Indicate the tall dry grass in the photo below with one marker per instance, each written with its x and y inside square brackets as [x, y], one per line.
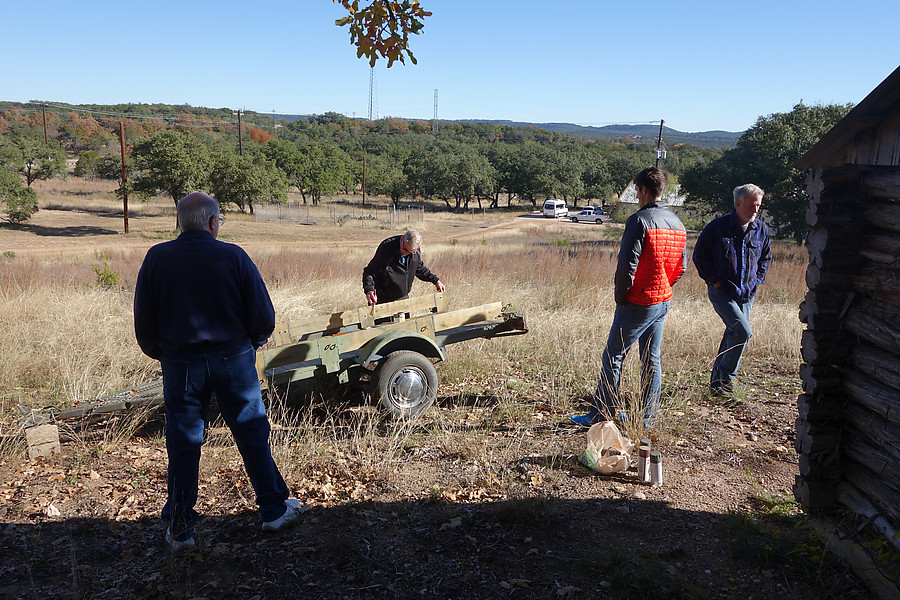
[65, 338]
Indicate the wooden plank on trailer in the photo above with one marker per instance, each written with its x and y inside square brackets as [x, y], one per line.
[466, 316]
[286, 333]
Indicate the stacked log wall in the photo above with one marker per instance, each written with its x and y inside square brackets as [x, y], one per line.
[848, 427]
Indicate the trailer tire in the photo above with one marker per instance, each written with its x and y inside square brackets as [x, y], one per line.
[406, 384]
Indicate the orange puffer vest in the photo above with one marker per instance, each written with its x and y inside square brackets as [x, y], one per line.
[652, 256]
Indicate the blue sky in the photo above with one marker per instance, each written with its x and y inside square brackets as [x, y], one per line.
[698, 65]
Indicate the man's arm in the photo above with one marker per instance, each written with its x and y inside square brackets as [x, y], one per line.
[378, 264]
[262, 313]
[424, 274]
[765, 258]
[629, 254]
[702, 256]
[146, 328]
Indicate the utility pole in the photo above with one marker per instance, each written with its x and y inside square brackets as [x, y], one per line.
[124, 174]
[659, 141]
[240, 139]
[44, 113]
[364, 179]
[434, 122]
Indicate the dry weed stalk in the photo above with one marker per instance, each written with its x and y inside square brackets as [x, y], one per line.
[63, 339]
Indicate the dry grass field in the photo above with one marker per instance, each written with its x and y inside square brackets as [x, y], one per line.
[481, 498]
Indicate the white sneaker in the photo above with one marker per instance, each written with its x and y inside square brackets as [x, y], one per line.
[293, 508]
[175, 544]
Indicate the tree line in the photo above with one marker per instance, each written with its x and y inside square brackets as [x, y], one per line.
[176, 150]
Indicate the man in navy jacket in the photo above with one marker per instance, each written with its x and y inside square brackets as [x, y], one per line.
[201, 308]
[732, 256]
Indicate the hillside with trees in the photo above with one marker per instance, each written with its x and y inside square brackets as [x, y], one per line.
[251, 158]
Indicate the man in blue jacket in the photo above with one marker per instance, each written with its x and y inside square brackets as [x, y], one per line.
[732, 256]
[201, 308]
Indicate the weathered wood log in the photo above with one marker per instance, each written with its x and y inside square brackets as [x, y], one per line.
[813, 438]
[883, 249]
[820, 379]
[881, 366]
[876, 323]
[823, 466]
[819, 407]
[882, 183]
[819, 215]
[832, 247]
[826, 278]
[883, 215]
[885, 498]
[815, 497]
[859, 504]
[822, 347]
[880, 399]
[821, 308]
[850, 552]
[881, 433]
[882, 458]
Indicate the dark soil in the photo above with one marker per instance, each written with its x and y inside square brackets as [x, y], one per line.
[448, 522]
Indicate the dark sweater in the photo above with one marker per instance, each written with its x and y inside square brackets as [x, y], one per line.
[391, 274]
[196, 294]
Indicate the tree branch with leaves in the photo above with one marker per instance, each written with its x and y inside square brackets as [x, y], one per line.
[382, 29]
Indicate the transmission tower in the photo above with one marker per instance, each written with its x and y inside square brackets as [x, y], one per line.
[434, 122]
[373, 101]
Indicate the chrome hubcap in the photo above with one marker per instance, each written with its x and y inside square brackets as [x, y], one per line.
[409, 387]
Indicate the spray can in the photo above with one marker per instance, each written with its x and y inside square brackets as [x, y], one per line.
[656, 476]
[643, 466]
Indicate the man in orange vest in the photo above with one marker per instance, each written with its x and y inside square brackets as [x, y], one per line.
[651, 259]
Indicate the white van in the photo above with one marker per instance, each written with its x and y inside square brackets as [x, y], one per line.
[555, 208]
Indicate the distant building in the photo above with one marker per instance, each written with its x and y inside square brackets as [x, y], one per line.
[671, 196]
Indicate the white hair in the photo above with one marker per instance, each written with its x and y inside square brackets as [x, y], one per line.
[748, 189]
[412, 236]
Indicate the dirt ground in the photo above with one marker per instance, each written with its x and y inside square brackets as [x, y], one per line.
[445, 523]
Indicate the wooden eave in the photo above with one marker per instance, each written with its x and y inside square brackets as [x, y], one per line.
[829, 151]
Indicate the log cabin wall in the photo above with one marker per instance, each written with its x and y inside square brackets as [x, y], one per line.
[848, 428]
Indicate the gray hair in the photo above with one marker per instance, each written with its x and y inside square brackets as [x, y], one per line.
[412, 236]
[748, 189]
[195, 210]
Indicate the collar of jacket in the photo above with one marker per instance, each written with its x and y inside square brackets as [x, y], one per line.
[733, 222]
[655, 204]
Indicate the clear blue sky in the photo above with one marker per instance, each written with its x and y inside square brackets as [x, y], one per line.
[698, 65]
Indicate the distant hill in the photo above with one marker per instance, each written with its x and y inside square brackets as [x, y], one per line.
[704, 139]
[646, 133]
[640, 133]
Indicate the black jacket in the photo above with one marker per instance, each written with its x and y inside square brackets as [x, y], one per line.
[391, 274]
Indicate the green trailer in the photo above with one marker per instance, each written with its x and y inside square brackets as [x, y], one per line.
[394, 346]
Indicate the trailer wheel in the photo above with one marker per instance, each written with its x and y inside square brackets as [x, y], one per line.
[406, 384]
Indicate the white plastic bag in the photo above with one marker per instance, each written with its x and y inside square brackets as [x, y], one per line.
[608, 451]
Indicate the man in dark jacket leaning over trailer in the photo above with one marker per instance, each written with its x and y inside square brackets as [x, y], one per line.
[389, 275]
[202, 309]
[732, 256]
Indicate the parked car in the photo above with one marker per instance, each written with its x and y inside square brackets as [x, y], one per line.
[591, 214]
[555, 208]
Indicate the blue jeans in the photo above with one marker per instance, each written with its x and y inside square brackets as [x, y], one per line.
[633, 323]
[736, 316]
[188, 382]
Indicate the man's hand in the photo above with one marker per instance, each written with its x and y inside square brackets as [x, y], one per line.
[372, 297]
[440, 286]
